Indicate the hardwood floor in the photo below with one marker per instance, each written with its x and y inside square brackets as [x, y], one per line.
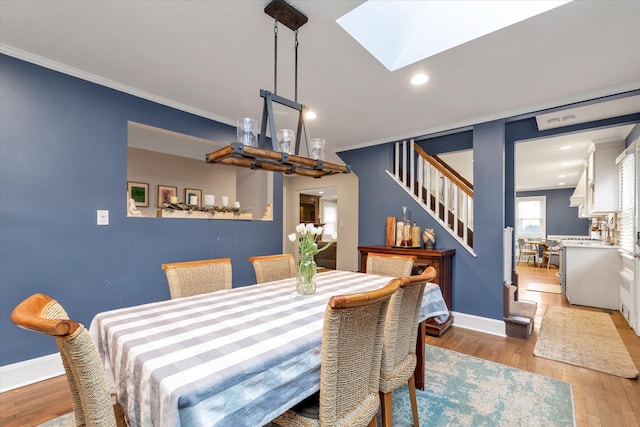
[600, 399]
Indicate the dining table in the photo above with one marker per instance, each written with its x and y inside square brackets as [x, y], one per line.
[235, 357]
[540, 246]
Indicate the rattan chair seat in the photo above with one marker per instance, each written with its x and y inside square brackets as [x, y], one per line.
[269, 268]
[350, 369]
[92, 403]
[198, 277]
[390, 264]
[400, 336]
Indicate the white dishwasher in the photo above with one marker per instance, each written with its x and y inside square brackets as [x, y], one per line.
[591, 274]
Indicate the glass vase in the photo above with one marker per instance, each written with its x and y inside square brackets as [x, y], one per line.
[306, 280]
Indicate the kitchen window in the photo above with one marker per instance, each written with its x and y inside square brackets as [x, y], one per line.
[531, 217]
[626, 168]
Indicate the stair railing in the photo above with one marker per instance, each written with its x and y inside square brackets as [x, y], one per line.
[439, 189]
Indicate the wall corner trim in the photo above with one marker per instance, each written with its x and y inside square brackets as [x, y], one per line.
[30, 371]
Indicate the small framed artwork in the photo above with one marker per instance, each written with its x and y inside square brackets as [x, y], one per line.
[139, 192]
[193, 197]
[166, 193]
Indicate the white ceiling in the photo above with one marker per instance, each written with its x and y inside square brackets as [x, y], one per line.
[212, 58]
[540, 163]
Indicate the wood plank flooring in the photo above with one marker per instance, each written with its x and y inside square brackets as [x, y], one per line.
[600, 399]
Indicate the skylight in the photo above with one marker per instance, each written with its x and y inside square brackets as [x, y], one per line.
[399, 33]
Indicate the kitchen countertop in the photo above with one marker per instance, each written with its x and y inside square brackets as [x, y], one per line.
[578, 244]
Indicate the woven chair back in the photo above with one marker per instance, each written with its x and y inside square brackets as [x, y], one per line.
[351, 355]
[198, 277]
[389, 264]
[400, 333]
[92, 404]
[273, 267]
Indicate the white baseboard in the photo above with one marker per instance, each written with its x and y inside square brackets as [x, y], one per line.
[30, 371]
[480, 324]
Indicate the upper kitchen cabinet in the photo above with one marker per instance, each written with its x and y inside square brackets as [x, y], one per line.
[578, 196]
[602, 177]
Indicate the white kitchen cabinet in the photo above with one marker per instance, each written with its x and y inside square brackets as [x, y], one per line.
[591, 274]
[578, 197]
[602, 177]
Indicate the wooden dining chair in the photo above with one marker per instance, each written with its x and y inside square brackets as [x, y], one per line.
[273, 267]
[350, 367]
[551, 248]
[524, 251]
[198, 277]
[390, 264]
[92, 403]
[399, 345]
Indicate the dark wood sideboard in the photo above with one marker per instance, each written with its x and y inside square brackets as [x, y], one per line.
[440, 259]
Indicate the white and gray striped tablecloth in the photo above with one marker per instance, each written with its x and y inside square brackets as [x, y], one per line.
[237, 357]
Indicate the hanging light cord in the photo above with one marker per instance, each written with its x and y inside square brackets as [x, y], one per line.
[275, 56]
[295, 45]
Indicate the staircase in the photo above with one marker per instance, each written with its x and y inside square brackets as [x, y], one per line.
[437, 188]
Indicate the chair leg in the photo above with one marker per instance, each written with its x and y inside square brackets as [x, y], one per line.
[374, 422]
[414, 401]
[386, 405]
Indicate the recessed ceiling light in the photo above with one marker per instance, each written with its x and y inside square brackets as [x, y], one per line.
[565, 164]
[565, 147]
[561, 183]
[321, 192]
[310, 115]
[419, 79]
[561, 176]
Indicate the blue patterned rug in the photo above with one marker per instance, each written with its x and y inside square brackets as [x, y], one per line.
[463, 391]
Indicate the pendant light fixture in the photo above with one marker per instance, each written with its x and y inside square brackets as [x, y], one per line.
[272, 157]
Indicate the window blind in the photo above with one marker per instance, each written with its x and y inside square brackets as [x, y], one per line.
[626, 171]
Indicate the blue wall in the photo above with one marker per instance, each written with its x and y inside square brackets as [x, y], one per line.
[477, 281]
[561, 218]
[474, 279]
[63, 155]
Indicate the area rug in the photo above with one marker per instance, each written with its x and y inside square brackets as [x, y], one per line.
[466, 391]
[544, 287]
[462, 390]
[67, 420]
[584, 338]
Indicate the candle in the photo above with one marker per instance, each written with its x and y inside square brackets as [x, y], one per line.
[225, 201]
[236, 205]
[173, 199]
[209, 199]
[193, 199]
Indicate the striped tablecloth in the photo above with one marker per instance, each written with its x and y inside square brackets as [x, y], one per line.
[236, 357]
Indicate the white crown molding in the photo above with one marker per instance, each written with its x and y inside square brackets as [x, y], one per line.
[30, 371]
[57, 66]
[466, 124]
[75, 72]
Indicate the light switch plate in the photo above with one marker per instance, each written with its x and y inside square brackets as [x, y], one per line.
[103, 217]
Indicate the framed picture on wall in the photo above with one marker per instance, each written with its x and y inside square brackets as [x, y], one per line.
[139, 192]
[193, 197]
[165, 193]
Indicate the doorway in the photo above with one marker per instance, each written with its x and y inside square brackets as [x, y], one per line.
[320, 207]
